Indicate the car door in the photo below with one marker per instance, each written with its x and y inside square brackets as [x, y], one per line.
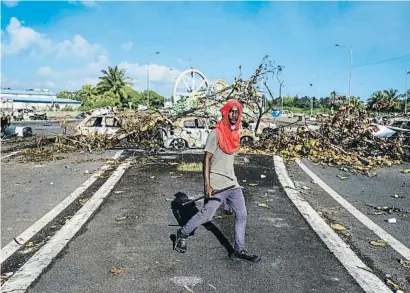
[191, 133]
[203, 127]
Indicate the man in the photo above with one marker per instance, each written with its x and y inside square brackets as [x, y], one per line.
[219, 174]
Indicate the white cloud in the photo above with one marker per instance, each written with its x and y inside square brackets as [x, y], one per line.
[162, 77]
[127, 46]
[78, 47]
[11, 3]
[21, 38]
[157, 73]
[45, 71]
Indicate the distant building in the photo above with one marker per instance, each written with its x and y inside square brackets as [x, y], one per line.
[34, 99]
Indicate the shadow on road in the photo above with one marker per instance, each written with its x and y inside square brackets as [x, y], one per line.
[184, 213]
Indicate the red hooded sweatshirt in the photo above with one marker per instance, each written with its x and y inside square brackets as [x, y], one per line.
[229, 138]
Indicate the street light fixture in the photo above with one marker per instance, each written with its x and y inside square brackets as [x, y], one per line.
[351, 64]
[156, 53]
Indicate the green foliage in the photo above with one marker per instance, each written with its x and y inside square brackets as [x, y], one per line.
[113, 90]
[68, 109]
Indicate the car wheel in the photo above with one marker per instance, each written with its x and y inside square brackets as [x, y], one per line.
[246, 140]
[178, 144]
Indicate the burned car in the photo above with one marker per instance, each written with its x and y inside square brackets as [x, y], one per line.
[192, 132]
[99, 124]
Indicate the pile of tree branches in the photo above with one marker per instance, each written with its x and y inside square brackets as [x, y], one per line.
[345, 139]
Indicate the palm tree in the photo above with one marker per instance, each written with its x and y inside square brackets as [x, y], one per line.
[356, 102]
[377, 101]
[332, 101]
[392, 98]
[114, 81]
[87, 93]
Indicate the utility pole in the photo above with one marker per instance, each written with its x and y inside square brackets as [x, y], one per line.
[156, 53]
[280, 86]
[406, 95]
[311, 101]
[350, 71]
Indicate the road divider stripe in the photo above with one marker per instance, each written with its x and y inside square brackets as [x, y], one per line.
[368, 281]
[393, 242]
[25, 236]
[34, 267]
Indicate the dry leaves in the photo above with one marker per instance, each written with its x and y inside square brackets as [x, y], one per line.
[117, 271]
[379, 243]
[338, 227]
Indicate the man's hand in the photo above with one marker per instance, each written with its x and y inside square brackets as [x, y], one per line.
[209, 191]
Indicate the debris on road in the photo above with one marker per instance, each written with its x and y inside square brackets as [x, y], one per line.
[379, 243]
[190, 167]
[392, 221]
[405, 171]
[404, 263]
[121, 218]
[117, 271]
[338, 227]
[262, 205]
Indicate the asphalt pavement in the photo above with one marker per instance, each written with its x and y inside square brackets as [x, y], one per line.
[30, 190]
[364, 193]
[45, 127]
[294, 259]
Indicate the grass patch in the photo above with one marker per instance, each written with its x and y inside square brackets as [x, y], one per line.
[190, 167]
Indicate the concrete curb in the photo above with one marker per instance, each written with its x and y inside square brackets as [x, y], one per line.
[369, 282]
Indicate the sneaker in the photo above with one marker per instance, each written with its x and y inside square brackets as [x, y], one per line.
[244, 255]
[181, 242]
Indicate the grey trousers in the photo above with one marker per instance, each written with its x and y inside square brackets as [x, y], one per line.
[234, 198]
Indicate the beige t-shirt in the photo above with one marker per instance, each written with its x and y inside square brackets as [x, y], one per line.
[222, 174]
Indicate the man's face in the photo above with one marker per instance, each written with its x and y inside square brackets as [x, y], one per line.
[233, 115]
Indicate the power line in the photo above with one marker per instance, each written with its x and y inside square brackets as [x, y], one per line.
[383, 61]
[370, 63]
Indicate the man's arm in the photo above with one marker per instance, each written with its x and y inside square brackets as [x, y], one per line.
[207, 167]
[210, 148]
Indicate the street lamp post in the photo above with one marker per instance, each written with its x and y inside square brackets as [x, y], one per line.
[156, 53]
[350, 71]
[311, 102]
[406, 94]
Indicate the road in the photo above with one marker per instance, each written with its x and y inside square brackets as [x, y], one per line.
[44, 127]
[134, 230]
[30, 190]
[364, 193]
[293, 257]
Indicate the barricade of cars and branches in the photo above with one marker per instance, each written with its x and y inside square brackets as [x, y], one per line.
[346, 138]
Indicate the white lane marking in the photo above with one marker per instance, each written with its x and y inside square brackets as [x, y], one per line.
[33, 268]
[11, 154]
[369, 282]
[393, 242]
[25, 236]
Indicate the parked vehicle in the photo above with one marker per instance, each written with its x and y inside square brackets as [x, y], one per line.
[192, 132]
[37, 116]
[99, 124]
[17, 131]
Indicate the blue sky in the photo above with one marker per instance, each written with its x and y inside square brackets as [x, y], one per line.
[62, 45]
